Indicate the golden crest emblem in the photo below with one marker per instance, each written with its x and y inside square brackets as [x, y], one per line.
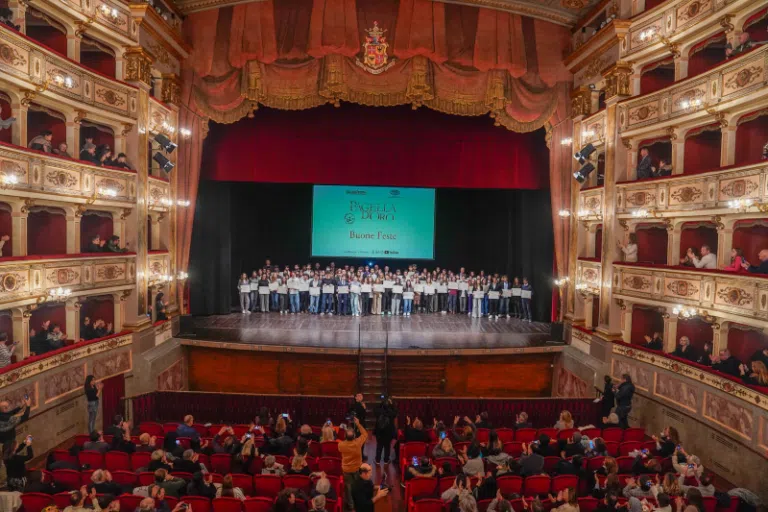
[375, 59]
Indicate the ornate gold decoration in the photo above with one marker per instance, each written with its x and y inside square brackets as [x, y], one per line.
[671, 132]
[110, 97]
[63, 276]
[639, 198]
[127, 127]
[82, 26]
[627, 143]
[744, 77]
[682, 288]
[81, 115]
[644, 112]
[171, 90]
[738, 188]
[60, 179]
[125, 213]
[719, 117]
[621, 304]
[593, 68]
[686, 194]
[11, 56]
[419, 88]
[28, 97]
[581, 101]
[124, 296]
[725, 22]
[28, 203]
[674, 48]
[251, 86]
[80, 210]
[573, 4]
[332, 85]
[110, 272]
[624, 224]
[160, 54]
[375, 59]
[138, 65]
[735, 296]
[637, 282]
[11, 282]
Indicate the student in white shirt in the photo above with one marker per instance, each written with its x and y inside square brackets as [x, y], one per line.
[244, 288]
[293, 291]
[354, 296]
[630, 249]
[707, 260]
[477, 300]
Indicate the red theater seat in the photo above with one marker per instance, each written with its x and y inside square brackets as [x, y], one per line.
[634, 434]
[612, 434]
[151, 428]
[117, 461]
[426, 505]
[563, 482]
[129, 502]
[566, 433]
[330, 449]
[330, 465]
[226, 505]
[592, 433]
[94, 459]
[506, 435]
[536, 485]
[525, 435]
[509, 485]
[588, 504]
[259, 505]
[61, 500]
[300, 482]
[198, 503]
[628, 447]
[551, 432]
[125, 478]
[266, 485]
[68, 479]
[140, 460]
[513, 449]
[244, 482]
[146, 478]
[482, 505]
[453, 461]
[221, 463]
[35, 501]
[420, 487]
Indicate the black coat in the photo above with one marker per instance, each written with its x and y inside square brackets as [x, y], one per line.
[644, 168]
[624, 394]
[609, 400]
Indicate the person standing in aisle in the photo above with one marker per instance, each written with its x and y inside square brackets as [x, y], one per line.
[92, 390]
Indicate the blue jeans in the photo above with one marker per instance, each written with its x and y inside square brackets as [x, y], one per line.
[274, 299]
[407, 306]
[314, 301]
[294, 302]
[504, 306]
[343, 297]
[527, 314]
[355, 299]
[254, 300]
[452, 303]
[93, 411]
[326, 304]
[469, 303]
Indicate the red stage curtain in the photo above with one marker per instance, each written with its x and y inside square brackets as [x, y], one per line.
[598, 242]
[703, 56]
[46, 233]
[656, 76]
[702, 151]
[369, 146]
[6, 228]
[92, 225]
[111, 395]
[6, 324]
[698, 331]
[743, 343]
[55, 313]
[645, 321]
[48, 36]
[696, 237]
[100, 307]
[5, 113]
[38, 121]
[751, 136]
[750, 239]
[652, 244]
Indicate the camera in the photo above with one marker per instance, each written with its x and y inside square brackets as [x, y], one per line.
[442, 435]
[284, 415]
[248, 436]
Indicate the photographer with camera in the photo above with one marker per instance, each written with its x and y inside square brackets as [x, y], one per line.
[352, 457]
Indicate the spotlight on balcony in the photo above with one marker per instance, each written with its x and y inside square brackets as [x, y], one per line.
[582, 174]
[582, 155]
[165, 143]
[164, 163]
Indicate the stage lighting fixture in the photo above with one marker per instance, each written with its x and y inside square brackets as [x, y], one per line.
[165, 164]
[582, 155]
[165, 143]
[582, 174]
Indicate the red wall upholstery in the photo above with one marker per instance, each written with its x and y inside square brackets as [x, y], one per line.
[744, 343]
[696, 237]
[702, 152]
[113, 391]
[652, 244]
[751, 136]
[55, 313]
[645, 321]
[698, 331]
[92, 225]
[49, 36]
[99, 61]
[757, 25]
[39, 121]
[5, 113]
[650, 4]
[706, 58]
[656, 79]
[46, 233]
[99, 307]
[99, 136]
[750, 239]
[6, 228]
[375, 146]
[6, 324]
[598, 242]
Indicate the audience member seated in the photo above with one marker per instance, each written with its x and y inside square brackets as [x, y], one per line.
[667, 442]
[521, 420]
[103, 155]
[122, 162]
[228, 489]
[168, 483]
[726, 363]
[3, 239]
[187, 430]
[745, 44]
[271, 467]
[565, 421]
[705, 355]
[572, 446]
[444, 449]
[188, 462]
[42, 142]
[159, 460]
[113, 245]
[707, 260]
[305, 432]
[640, 488]
[481, 421]
[88, 153]
[472, 459]
[96, 443]
[684, 350]
[299, 466]
[225, 442]
[77, 500]
[494, 449]
[101, 481]
[423, 467]
[760, 355]
[463, 434]
[644, 166]
[669, 485]
[756, 374]
[654, 342]
[6, 351]
[762, 268]
[703, 485]
[146, 443]
[62, 150]
[36, 482]
[324, 488]
[121, 440]
[531, 462]
[97, 244]
[56, 339]
[201, 485]
[737, 259]
[630, 249]
[690, 254]
[318, 504]
[665, 168]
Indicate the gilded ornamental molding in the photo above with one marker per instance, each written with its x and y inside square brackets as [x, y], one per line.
[138, 65]
[617, 80]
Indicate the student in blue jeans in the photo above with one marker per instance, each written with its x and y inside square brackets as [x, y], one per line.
[527, 312]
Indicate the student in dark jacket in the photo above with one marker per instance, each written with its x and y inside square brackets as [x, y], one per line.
[624, 394]
[385, 429]
[608, 400]
[726, 363]
[654, 342]
[644, 166]
[684, 350]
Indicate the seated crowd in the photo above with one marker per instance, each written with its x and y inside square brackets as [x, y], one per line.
[100, 155]
[112, 244]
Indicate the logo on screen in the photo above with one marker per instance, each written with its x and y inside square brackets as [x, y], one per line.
[394, 192]
[349, 218]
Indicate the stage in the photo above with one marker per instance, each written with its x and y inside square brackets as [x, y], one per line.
[416, 334]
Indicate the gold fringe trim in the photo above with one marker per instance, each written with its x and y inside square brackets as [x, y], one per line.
[514, 125]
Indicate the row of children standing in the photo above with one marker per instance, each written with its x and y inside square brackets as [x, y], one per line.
[374, 291]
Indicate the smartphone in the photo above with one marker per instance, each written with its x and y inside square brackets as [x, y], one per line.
[328, 421]
[691, 466]
[247, 436]
[183, 506]
[644, 451]
[442, 435]
[29, 438]
[284, 415]
[415, 461]
[178, 443]
[679, 447]
[26, 396]
[591, 445]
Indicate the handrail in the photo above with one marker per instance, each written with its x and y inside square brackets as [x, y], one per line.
[359, 358]
[386, 350]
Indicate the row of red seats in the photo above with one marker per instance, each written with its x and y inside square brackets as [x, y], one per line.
[36, 502]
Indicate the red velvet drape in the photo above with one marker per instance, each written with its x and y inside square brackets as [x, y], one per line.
[702, 151]
[743, 343]
[46, 233]
[370, 146]
[696, 237]
[652, 244]
[100, 307]
[706, 55]
[750, 239]
[757, 25]
[751, 136]
[38, 121]
[599, 242]
[650, 4]
[48, 36]
[6, 228]
[698, 331]
[97, 60]
[5, 113]
[100, 136]
[645, 321]
[55, 313]
[113, 391]
[92, 225]
[6, 324]
[656, 76]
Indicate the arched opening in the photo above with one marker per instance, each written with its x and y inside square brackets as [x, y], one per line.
[645, 322]
[659, 150]
[46, 30]
[695, 234]
[99, 135]
[94, 223]
[652, 242]
[41, 120]
[6, 229]
[750, 235]
[598, 242]
[46, 231]
[97, 56]
[757, 25]
[48, 329]
[6, 135]
[698, 332]
[751, 137]
[601, 99]
[706, 54]
[745, 342]
[99, 311]
[702, 149]
[657, 75]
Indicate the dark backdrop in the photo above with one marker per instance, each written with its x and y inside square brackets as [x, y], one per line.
[239, 225]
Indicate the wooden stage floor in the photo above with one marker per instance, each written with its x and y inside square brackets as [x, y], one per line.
[419, 332]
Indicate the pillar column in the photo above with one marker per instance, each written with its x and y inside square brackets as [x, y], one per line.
[72, 309]
[589, 250]
[724, 243]
[626, 322]
[719, 337]
[170, 91]
[728, 145]
[118, 225]
[74, 216]
[153, 290]
[678, 151]
[630, 149]
[673, 244]
[681, 68]
[155, 218]
[19, 214]
[571, 302]
[74, 38]
[73, 132]
[120, 139]
[670, 331]
[20, 321]
[118, 301]
[20, 110]
[589, 307]
[635, 84]
[19, 9]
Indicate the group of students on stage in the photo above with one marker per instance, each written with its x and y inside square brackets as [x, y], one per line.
[371, 290]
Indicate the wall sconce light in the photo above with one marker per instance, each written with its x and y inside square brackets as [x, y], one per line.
[587, 134]
[183, 203]
[647, 34]
[684, 312]
[166, 201]
[168, 128]
[55, 295]
[109, 12]
[186, 133]
[182, 276]
[564, 214]
[64, 81]
[8, 180]
[561, 281]
[567, 141]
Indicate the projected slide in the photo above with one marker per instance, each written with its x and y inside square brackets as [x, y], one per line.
[373, 222]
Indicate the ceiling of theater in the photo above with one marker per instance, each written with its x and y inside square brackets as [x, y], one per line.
[562, 12]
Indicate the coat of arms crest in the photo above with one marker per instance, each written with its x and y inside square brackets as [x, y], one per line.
[375, 59]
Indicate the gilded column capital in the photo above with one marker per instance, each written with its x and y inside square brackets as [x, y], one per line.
[138, 65]
[581, 101]
[617, 80]
[171, 90]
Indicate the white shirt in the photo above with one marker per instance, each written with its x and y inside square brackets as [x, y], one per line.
[706, 261]
[630, 252]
